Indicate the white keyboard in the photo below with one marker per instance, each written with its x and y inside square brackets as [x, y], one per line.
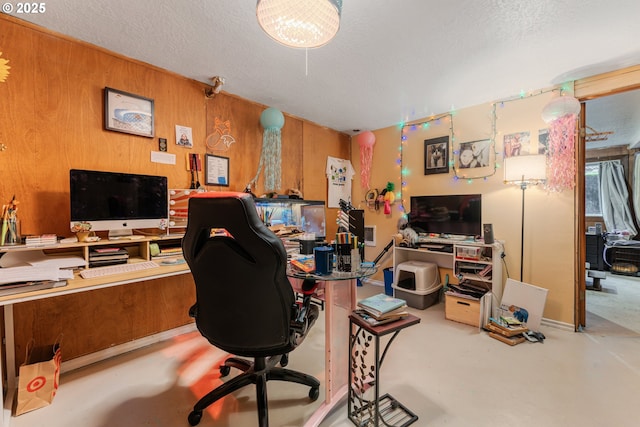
[117, 269]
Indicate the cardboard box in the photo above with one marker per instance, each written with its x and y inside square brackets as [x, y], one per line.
[462, 310]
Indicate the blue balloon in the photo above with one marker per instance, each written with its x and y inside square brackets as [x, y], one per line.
[272, 118]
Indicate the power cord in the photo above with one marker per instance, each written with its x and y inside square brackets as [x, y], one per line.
[502, 256]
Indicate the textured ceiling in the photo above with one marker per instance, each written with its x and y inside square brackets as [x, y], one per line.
[392, 60]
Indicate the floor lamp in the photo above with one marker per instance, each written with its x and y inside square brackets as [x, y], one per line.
[524, 171]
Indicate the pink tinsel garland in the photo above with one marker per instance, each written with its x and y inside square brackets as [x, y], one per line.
[561, 167]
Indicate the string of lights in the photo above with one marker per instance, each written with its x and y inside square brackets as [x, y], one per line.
[405, 128]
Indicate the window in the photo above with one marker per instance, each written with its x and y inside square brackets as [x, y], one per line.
[593, 205]
[592, 189]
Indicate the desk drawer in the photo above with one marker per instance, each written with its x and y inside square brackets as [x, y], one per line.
[462, 310]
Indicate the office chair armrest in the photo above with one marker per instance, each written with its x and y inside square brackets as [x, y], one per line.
[193, 311]
[304, 314]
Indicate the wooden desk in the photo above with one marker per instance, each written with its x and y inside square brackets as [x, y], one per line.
[75, 285]
[340, 301]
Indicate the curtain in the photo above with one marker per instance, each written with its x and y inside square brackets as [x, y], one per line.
[615, 198]
[635, 189]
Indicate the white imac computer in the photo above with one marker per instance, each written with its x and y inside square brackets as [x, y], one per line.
[118, 202]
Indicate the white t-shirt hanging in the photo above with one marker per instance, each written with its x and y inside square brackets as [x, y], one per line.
[340, 174]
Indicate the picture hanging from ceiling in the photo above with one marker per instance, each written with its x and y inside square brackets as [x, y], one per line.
[184, 137]
[128, 113]
[436, 155]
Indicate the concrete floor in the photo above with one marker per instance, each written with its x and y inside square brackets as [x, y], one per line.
[448, 373]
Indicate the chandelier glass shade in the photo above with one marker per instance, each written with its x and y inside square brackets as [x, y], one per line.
[300, 23]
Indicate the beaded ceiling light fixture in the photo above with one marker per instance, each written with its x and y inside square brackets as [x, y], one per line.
[300, 23]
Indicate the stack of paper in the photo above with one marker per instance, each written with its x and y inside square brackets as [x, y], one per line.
[33, 266]
[33, 273]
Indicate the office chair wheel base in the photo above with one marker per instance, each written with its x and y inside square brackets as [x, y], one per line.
[314, 392]
[195, 417]
[284, 360]
[224, 371]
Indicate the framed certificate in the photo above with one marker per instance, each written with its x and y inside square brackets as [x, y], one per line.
[217, 170]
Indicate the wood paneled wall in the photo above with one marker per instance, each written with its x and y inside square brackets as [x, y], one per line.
[51, 120]
[305, 146]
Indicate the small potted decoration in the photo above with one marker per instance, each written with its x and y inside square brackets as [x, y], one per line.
[82, 230]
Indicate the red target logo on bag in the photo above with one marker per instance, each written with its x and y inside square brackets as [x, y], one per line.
[36, 384]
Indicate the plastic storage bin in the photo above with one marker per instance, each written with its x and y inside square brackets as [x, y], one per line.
[388, 281]
[418, 283]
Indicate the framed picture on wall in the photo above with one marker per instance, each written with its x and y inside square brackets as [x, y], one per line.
[128, 113]
[436, 155]
[217, 170]
[475, 154]
[184, 136]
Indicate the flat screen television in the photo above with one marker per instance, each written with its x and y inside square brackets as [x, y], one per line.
[118, 202]
[458, 215]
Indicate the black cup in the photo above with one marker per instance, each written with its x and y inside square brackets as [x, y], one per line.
[306, 246]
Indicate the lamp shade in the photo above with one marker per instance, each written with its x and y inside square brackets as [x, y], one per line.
[525, 169]
[560, 106]
[300, 24]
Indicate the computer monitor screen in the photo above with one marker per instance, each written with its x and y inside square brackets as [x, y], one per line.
[118, 202]
[458, 214]
[313, 220]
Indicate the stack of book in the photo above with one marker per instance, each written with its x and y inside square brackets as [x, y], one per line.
[171, 251]
[305, 264]
[41, 240]
[99, 257]
[507, 331]
[381, 308]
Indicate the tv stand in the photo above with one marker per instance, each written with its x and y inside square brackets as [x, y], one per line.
[458, 259]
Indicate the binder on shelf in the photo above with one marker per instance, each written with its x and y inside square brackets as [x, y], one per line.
[109, 251]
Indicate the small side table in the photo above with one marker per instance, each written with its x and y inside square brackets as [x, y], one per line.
[364, 408]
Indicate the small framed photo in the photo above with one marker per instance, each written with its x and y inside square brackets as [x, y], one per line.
[436, 155]
[128, 113]
[184, 136]
[217, 170]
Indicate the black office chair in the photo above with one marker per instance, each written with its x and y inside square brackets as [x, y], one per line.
[244, 302]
